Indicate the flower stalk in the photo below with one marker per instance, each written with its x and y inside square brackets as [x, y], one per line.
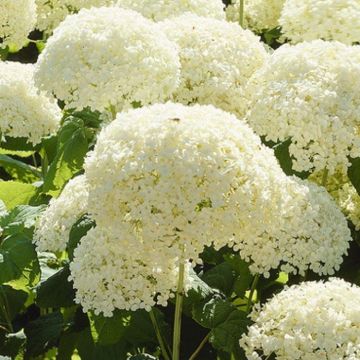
[178, 312]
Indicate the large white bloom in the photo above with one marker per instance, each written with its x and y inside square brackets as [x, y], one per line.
[217, 59]
[258, 14]
[309, 93]
[17, 20]
[106, 57]
[321, 19]
[54, 225]
[161, 9]
[23, 111]
[311, 321]
[107, 276]
[179, 178]
[50, 13]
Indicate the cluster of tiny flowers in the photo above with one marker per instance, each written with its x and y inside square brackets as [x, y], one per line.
[309, 93]
[344, 193]
[53, 227]
[310, 232]
[311, 321]
[307, 20]
[217, 59]
[180, 178]
[76, 69]
[17, 20]
[24, 112]
[259, 14]
[161, 9]
[107, 276]
[50, 13]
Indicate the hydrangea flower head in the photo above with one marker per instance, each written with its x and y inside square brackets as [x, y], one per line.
[313, 320]
[309, 93]
[108, 57]
[24, 112]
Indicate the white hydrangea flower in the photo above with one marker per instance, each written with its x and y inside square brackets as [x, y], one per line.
[217, 59]
[54, 225]
[161, 9]
[88, 49]
[344, 193]
[307, 20]
[175, 177]
[309, 232]
[310, 321]
[50, 13]
[107, 276]
[259, 15]
[309, 93]
[17, 20]
[24, 112]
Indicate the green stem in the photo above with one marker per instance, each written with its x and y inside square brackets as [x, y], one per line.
[178, 311]
[252, 291]
[241, 13]
[44, 164]
[158, 335]
[199, 348]
[325, 177]
[34, 160]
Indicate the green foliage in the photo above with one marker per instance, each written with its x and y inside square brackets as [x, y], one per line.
[14, 193]
[72, 145]
[354, 173]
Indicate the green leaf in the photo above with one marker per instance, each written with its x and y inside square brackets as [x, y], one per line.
[227, 334]
[71, 150]
[14, 193]
[56, 291]
[199, 292]
[14, 345]
[226, 322]
[221, 277]
[43, 333]
[11, 302]
[79, 229]
[18, 259]
[90, 351]
[17, 144]
[354, 173]
[19, 153]
[19, 170]
[109, 330]
[281, 151]
[244, 276]
[20, 218]
[142, 357]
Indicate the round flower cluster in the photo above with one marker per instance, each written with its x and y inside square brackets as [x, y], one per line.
[309, 93]
[53, 227]
[23, 111]
[259, 15]
[180, 178]
[161, 9]
[314, 320]
[310, 232]
[50, 13]
[17, 20]
[107, 276]
[326, 19]
[344, 193]
[217, 59]
[76, 69]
